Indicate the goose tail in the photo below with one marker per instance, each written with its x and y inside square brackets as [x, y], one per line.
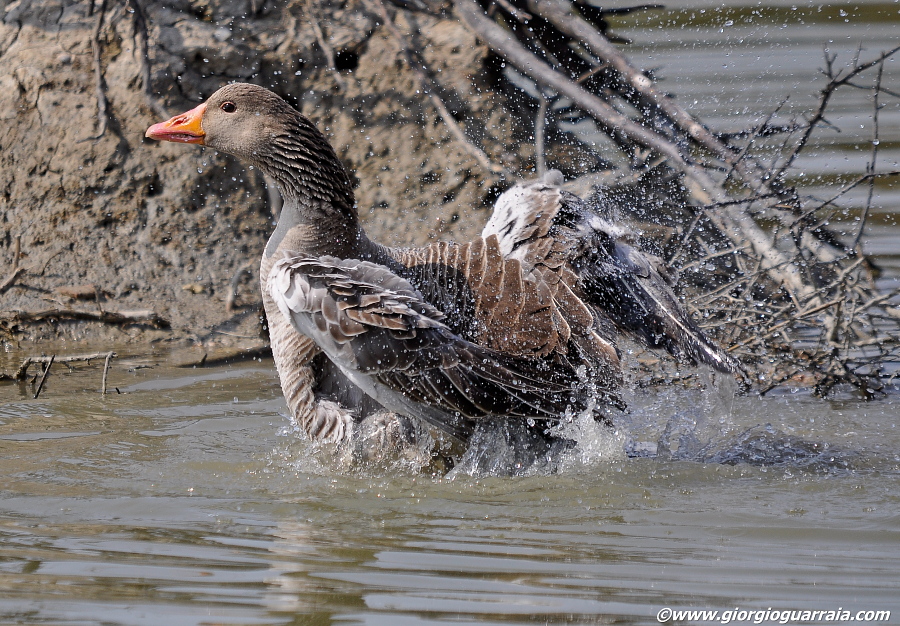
[635, 290]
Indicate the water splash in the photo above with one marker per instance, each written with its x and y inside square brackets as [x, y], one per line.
[383, 443]
[595, 442]
[699, 425]
[767, 446]
[509, 447]
[669, 423]
[514, 447]
[678, 423]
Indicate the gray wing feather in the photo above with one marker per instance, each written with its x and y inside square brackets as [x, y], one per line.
[372, 323]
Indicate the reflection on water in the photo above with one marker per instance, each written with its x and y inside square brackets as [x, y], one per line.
[183, 499]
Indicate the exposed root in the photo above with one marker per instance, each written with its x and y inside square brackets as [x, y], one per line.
[15, 271]
[419, 69]
[324, 45]
[120, 318]
[99, 80]
[233, 287]
[142, 39]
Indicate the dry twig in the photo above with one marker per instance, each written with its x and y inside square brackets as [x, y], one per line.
[22, 372]
[835, 81]
[106, 361]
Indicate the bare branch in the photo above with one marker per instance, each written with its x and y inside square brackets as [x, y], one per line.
[562, 16]
[540, 129]
[106, 361]
[44, 377]
[22, 372]
[730, 223]
[835, 81]
[870, 166]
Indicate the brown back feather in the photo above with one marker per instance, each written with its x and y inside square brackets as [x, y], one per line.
[513, 313]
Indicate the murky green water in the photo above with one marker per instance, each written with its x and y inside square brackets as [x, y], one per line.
[184, 499]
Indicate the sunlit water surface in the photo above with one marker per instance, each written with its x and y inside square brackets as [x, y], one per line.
[184, 499]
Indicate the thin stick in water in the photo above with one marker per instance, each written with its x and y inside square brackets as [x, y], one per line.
[109, 357]
[44, 377]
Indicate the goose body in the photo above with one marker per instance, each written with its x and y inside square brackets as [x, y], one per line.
[519, 323]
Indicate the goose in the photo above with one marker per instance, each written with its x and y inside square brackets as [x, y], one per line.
[521, 323]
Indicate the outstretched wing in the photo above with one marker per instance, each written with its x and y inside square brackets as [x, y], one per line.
[548, 229]
[491, 301]
[379, 330]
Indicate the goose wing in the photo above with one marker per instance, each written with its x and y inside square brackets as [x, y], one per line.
[536, 316]
[378, 329]
[550, 230]
[490, 300]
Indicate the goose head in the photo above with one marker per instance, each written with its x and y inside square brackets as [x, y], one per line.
[240, 119]
[253, 124]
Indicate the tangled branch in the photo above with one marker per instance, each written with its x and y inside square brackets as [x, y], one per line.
[795, 294]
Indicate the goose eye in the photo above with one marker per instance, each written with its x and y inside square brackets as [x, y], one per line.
[228, 107]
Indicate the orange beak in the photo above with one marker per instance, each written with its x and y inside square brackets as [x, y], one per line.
[184, 128]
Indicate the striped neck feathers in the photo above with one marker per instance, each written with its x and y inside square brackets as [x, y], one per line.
[312, 179]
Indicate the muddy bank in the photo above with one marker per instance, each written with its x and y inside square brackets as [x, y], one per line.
[168, 230]
[105, 236]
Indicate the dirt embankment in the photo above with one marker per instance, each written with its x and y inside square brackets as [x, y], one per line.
[169, 228]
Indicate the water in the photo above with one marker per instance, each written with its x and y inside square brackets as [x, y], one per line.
[184, 499]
